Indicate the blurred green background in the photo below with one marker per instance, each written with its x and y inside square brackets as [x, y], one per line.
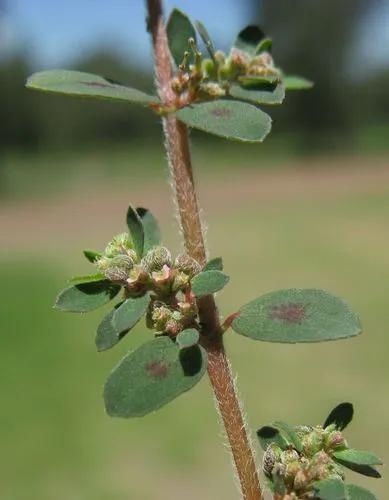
[308, 208]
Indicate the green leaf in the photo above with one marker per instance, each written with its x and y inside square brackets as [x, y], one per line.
[154, 374]
[253, 81]
[290, 434]
[87, 278]
[215, 264]
[129, 313]
[106, 336]
[91, 255]
[86, 296]
[297, 315]
[268, 95]
[61, 81]
[179, 29]
[206, 38]
[341, 416]
[151, 230]
[268, 435]
[357, 457]
[355, 492]
[188, 338]
[265, 45]
[296, 83]
[330, 489]
[208, 282]
[248, 39]
[365, 470]
[135, 226]
[234, 120]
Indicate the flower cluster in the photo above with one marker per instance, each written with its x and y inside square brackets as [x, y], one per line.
[298, 471]
[210, 78]
[172, 307]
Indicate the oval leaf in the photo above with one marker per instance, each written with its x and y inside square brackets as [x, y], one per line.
[290, 435]
[206, 38]
[87, 278]
[151, 230]
[341, 416]
[215, 264]
[154, 374]
[268, 435]
[355, 492]
[265, 45]
[86, 296]
[91, 255]
[179, 30]
[77, 83]
[129, 313]
[135, 227]
[249, 38]
[330, 489]
[357, 457]
[297, 83]
[106, 336]
[234, 120]
[272, 95]
[253, 81]
[297, 315]
[365, 470]
[188, 338]
[208, 282]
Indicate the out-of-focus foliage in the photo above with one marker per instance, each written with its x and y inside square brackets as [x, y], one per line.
[30, 120]
[317, 39]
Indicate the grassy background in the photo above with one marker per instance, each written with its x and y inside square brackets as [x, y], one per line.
[313, 223]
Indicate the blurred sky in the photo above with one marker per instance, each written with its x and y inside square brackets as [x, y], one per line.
[56, 31]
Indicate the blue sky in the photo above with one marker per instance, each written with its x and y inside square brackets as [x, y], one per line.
[56, 31]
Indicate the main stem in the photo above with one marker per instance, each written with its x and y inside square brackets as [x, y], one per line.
[177, 147]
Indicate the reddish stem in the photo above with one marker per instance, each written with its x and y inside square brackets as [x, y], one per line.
[177, 147]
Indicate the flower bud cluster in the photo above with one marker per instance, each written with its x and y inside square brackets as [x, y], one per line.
[206, 79]
[297, 471]
[172, 307]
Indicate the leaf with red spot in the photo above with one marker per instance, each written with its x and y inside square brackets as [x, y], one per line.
[235, 120]
[77, 83]
[297, 315]
[154, 374]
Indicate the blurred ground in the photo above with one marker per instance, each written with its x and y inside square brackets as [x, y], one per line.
[310, 223]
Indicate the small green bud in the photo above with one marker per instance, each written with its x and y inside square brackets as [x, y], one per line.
[156, 258]
[335, 440]
[212, 89]
[120, 245]
[115, 268]
[187, 265]
[180, 281]
[239, 60]
[288, 456]
[208, 69]
[313, 442]
[160, 316]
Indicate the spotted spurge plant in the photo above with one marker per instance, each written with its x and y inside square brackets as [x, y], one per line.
[221, 94]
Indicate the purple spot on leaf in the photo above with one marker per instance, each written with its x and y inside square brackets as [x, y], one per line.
[221, 112]
[292, 313]
[157, 370]
[97, 84]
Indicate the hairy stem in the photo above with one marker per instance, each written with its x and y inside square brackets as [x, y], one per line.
[177, 147]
